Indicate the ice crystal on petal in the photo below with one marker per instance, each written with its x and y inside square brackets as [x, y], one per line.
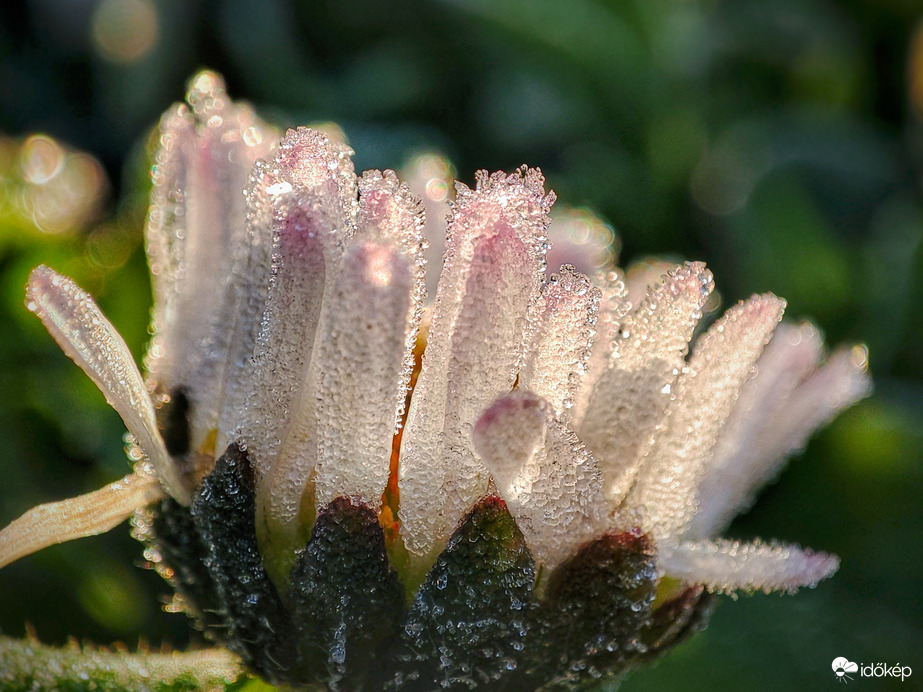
[614, 307]
[632, 395]
[706, 391]
[310, 159]
[556, 363]
[389, 211]
[550, 482]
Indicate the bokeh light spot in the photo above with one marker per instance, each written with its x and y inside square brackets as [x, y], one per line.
[41, 159]
[124, 31]
[48, 185]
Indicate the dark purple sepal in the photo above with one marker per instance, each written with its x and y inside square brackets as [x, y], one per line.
[346, 600]
[259, 627]
[171, 532]
[594, 608]
[676, 620]
[468, 623]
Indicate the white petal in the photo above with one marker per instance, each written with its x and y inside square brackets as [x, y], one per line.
[793, 352]
[549, 481]
[87, 337]
[485, 304]
[364, 350]
[728, 566]
[77, 517]
[767, 427]
[557, 360]
[359, 372]
[613, 309]
[197, 246]
[391, 213]
[722, 362]
[632, 395]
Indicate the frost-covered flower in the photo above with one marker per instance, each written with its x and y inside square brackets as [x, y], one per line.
[543, 513]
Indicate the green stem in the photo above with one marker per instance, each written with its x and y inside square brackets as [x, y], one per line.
[25, 664]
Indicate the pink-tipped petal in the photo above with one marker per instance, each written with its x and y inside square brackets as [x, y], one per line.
[729, 566]
[307, 196]
[544, 473]
[390, 213]
[90, 340]
[485, 305]
[286, 341]
[723, 361]
[766, 430]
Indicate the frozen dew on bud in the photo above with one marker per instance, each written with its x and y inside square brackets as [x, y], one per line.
[518, 480]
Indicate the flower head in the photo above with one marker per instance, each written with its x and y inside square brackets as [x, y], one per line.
[545, 510]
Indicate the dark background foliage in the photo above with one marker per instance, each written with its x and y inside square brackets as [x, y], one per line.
[779, 141]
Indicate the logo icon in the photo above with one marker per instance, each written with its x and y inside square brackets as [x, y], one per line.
[842, 667]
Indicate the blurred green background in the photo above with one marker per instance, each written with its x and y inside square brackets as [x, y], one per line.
[781, 141]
